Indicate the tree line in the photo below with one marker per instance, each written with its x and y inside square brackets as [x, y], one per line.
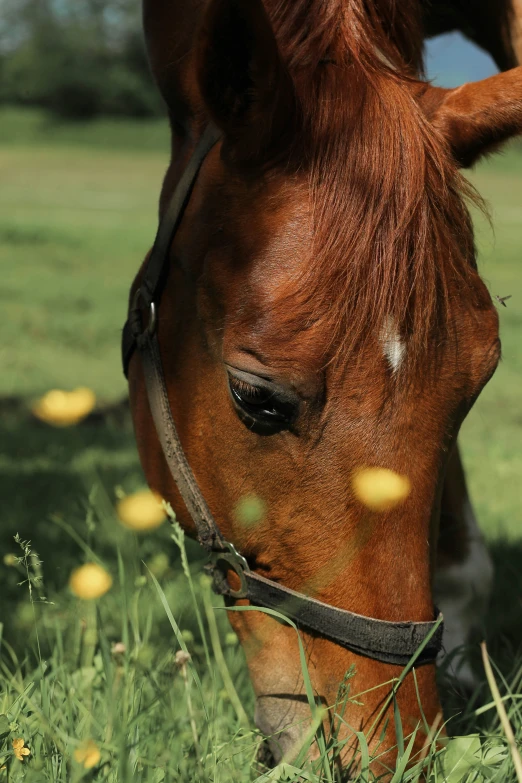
[76, 58]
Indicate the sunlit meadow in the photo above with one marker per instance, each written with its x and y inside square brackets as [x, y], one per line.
[115, 665]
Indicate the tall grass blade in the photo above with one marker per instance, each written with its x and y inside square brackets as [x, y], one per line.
[178, 536]
[220, 660]
[504, 720]
[398, 727]
[403, 760]
[179, 637]
[365, 757]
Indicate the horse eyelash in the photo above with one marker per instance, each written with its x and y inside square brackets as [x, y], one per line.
[245, 388]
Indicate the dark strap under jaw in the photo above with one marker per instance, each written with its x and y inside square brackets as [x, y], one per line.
[389, 642]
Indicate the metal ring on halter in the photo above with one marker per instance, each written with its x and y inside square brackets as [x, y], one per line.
[229, 560]
[136, 311]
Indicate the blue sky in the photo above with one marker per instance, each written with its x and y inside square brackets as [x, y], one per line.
[452, 60]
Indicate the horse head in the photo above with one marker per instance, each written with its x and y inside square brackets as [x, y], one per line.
[322, 318]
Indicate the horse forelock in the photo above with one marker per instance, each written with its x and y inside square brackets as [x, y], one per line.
[392, 232]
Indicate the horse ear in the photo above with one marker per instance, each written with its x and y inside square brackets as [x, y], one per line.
[477, 117]
[244, 83]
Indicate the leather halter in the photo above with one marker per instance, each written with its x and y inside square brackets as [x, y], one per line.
[388, 642]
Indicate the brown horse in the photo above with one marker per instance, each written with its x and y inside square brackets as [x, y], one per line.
[322, 312]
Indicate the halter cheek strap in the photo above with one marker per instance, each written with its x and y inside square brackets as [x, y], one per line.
[388, 642]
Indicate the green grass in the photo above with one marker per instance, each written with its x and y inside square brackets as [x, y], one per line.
[492, 434]
[107, 673]
[71, 684]
[75, 224]
[23, 128]
[77, 214]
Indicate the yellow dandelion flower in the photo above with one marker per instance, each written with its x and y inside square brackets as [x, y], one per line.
[87, 754]
[63, 408]
[141, 511]
[380, 489]
[19, 750]
[90, 581]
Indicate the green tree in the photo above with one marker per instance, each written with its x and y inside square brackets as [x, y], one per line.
[77, 58]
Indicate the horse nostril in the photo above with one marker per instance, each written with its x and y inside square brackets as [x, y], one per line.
[265, 758]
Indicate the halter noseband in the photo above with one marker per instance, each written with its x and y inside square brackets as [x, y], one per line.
[388, 642]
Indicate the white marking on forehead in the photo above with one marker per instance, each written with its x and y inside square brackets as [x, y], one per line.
[393, 345]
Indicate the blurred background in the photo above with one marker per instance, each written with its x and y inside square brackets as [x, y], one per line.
[83, 148]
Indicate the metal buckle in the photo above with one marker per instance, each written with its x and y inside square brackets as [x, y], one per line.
[137, 326]
[225, 560]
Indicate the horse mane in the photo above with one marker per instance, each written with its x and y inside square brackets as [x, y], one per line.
[392, 232]
[309, 31]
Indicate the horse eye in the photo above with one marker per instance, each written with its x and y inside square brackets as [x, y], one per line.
[260, 406]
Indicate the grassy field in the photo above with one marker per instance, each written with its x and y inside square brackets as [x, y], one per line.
[77, 214]
[492, 433]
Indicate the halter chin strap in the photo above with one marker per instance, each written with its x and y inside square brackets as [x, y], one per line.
[388, 642]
